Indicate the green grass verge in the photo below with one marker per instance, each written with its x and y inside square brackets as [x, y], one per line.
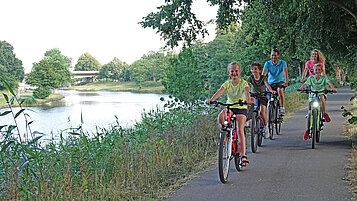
[148, 87]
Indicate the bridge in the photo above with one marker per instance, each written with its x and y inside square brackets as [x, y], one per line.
[84, 74]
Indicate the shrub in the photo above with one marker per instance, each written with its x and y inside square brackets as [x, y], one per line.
[42, 92]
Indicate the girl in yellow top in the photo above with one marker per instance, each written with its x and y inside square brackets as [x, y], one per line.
[237, 89]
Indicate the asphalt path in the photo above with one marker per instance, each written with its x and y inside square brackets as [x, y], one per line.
[285, 168]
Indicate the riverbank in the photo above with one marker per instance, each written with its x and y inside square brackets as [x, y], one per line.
[30, 101]
[148, 87]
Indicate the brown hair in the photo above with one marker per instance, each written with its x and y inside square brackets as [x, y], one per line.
[320, 56]
[260, 67]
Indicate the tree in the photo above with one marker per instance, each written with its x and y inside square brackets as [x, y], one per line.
[11, 68]
[294, 27]
[87, 62]
[183, 79]
[52, 71]
[113, 70]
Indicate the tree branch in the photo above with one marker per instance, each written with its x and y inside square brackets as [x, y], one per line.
[349, 10]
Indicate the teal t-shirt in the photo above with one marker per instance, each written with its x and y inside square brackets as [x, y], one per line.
[235, 93]
[317, 85]
[275, 72]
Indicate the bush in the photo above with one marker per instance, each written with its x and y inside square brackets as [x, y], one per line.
[42, 92]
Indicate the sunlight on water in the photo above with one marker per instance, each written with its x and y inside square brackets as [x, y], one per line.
[98, 108]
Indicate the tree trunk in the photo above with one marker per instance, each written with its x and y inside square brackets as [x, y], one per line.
[351, 11]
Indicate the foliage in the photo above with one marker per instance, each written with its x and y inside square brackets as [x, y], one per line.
[294, 40]
[10, 67]
[42, 92]
[151, 67]
[114, 70]
[87, 62]
[52, 71]
[183, 79]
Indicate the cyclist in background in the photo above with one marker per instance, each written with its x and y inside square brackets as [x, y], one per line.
[277, 71]
[259, 83]
[316, 58]
[237, 89]
[317, 82]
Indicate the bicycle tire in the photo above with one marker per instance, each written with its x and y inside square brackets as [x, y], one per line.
[277, 119]
[271, 120]
[314, 128]
[224, 154]
[260, 133]
[254, 132]
[318, 132]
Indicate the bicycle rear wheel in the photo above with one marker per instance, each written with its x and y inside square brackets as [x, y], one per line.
[224, 155]
[254, 132]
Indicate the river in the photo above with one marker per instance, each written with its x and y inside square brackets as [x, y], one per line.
[97, 108]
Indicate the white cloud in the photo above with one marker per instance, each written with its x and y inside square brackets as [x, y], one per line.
[103, 28]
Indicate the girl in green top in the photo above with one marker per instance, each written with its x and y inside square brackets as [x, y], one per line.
[237, 89]
[317, 82]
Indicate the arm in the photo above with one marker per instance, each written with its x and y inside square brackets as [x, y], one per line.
[332, 87]
[304, 75]
[269, 87]
[265, 71]
[286, 75]
[250, 100]
[217, 95]
[303, 86]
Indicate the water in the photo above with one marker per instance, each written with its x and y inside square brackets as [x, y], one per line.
[98, 108]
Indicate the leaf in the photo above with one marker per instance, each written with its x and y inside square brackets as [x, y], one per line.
[8, 86]
[5, 113]
[19, 112]
[27, 150]
[7, 145]
[6, 98]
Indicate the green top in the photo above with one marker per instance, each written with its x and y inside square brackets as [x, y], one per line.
[257, 86]
[317, 85]
[235, 93]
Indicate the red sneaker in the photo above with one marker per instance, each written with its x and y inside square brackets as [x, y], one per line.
[327, 118]
[306, 135]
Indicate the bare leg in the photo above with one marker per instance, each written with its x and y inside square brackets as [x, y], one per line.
[263, 112]
[308, 120]
[241, 122]
[281, 97]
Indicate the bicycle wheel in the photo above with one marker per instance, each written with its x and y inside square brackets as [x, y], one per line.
[277, 119]
[224, 155]
[254, 132]
[260, 126]
[318, 132]
[314, 128]
[271, 120]
[237, 160]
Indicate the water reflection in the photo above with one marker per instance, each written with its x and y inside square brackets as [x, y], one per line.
[95, 108]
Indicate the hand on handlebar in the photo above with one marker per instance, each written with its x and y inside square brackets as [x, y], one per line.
[285, 84]
[251, 101]
[208, 101]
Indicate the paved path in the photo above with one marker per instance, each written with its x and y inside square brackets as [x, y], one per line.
[286, 168]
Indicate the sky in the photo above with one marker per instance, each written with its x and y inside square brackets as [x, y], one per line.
[103, 28]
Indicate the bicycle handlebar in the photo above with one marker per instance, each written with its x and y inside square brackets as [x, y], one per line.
[260, 94]
[308, 91]
[240, 102]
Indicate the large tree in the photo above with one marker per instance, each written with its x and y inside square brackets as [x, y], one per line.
[52, 71]
[11, 68]
[295, 27]
[87, 62]
[114, 70]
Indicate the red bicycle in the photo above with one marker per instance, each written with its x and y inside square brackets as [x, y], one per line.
[229, 143]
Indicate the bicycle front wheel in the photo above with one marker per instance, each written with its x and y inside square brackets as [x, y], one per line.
[314, 128]
[277, 119]
[271, 120]
[224, 155]
[260, 126]
[254, 132]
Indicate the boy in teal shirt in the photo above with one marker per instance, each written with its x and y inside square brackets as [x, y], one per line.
[317, 82]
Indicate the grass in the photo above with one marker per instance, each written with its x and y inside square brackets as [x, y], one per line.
[30, 100]
[148, 87]
[145, 162]
[351, 131]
